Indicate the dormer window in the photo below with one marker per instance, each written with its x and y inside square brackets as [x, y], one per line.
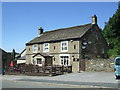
[35, 48]
[46, 47]
[64, 46]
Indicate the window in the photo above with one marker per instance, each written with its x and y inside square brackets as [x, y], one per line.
[33, 61]
[39, 61]
[54, 58]
[35, 48]
[39, 48]
[64, 46]
[29, 49]
[54, 47]
[46, 47]
[64, 60]
[118, 61]
[74, 46]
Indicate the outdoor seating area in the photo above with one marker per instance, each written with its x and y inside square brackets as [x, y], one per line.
[35, 70]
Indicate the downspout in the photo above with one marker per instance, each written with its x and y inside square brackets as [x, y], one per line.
[80, 55]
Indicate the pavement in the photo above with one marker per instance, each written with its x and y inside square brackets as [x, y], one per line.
[99, 79]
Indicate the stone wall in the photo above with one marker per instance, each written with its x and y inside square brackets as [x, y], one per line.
[105, 65]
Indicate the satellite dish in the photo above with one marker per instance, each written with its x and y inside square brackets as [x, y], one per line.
[84, 43]
[83, 47]
[89, 42]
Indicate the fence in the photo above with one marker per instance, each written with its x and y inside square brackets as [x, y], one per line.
[39, 71]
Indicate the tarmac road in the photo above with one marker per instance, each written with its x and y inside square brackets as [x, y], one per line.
[73, 80]
[24, 84]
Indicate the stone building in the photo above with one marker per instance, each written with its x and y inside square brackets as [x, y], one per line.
[21, 58]
[67, 46]
[5, 58]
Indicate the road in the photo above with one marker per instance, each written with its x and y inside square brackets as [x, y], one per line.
[24, 84]
[73, 80]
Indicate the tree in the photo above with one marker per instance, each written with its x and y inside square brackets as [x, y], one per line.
[111, 33]
[13, 54]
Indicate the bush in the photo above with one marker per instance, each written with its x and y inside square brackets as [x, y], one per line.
[114, 52]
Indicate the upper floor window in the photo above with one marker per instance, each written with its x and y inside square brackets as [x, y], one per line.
[64, 46]
[29, 49]
[35, 48]
[39, 48]
[46, 47]
[54, 47]
[74, 46]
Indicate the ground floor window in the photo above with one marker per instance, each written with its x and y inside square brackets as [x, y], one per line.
[64, 60]
[39, 61]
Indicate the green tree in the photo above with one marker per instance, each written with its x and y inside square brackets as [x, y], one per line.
[112, 33]
[13, 54]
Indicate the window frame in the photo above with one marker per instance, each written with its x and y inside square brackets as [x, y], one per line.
[64, 46]
[74, 47]
[45, 47]
[54, 47]
[35, 50]
[64, 60]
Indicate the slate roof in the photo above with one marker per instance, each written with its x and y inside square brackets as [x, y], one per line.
[2, 51]
[61, 34]
[19, 55]
[22, 58]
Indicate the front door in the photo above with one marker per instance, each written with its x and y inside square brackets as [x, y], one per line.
[82, 65]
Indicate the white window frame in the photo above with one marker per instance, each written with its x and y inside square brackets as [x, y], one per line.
[35, 49]
[44, 50]
[60, 58]
[64, 46]
[64, 60]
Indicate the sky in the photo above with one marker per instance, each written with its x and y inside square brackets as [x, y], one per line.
[21, 20]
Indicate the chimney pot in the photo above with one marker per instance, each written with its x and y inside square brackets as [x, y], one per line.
[94, 19]
[40, 31]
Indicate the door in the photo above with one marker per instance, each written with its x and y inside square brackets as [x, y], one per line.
[82, 65]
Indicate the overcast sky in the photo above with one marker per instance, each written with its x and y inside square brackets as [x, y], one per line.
[21, 20]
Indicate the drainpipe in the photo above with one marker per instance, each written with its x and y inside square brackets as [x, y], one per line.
[80, 57]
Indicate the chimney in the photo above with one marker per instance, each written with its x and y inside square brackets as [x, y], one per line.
[94, 19]
[40, 31]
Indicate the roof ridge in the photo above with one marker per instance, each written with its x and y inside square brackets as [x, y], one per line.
[22, 51]
[67, 28]
[55, 34]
